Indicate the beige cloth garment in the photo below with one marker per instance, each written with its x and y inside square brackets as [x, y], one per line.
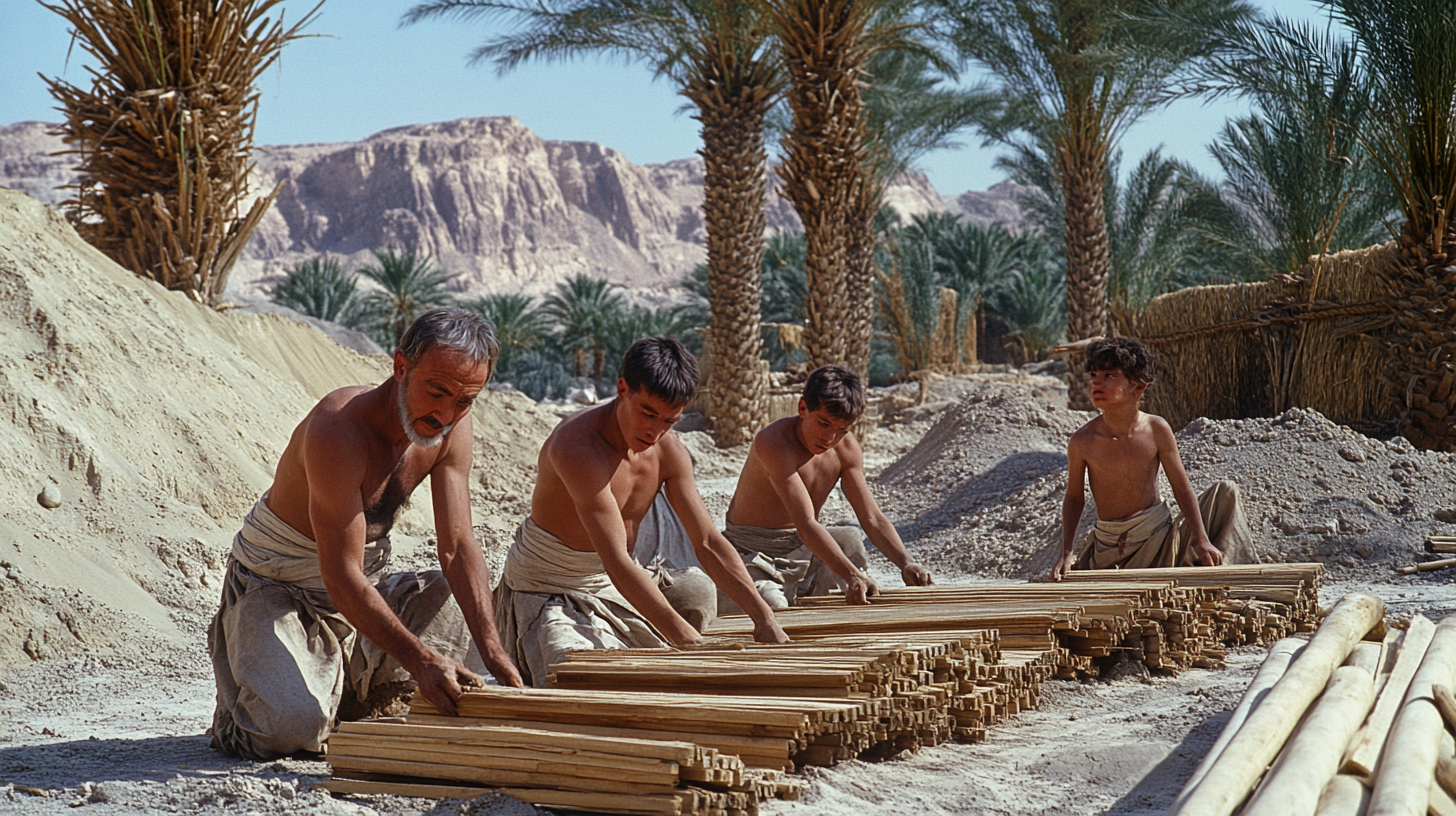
[783, 567]
[1155, 539]
[553, 599]
[284, 657]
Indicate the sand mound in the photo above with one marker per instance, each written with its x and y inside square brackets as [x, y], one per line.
[981, 494]
[155, 422]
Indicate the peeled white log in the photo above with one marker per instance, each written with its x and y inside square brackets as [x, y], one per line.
[1273, 668]
[1249, 753]
[1363, 757]
[1408, 766]
[1366, 655]
[1312, 756]
[1345, 795]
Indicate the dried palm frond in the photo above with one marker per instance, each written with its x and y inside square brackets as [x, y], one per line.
[165, 132]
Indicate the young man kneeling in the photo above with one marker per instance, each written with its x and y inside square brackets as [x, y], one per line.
[792, 465]
[569, 580]
[1120, 452]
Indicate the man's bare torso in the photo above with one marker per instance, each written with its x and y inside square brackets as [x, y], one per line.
[757, 504]
[635, 480]
[390, 476]
[1122, 469]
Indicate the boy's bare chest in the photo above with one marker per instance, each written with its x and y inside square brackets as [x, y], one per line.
[1134, 454]
[635, 483]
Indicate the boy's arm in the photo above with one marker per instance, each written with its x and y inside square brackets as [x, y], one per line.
[1072, 504]
[879, 529]
[588, 480]
[1207, 554]
[717, 556]
[783, 474]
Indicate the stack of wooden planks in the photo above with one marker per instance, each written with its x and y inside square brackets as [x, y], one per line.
[1168, 618]
[566, 771]
[1343, 726]
[916, 689]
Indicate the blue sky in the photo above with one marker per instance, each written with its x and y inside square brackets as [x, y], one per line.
[367, 74]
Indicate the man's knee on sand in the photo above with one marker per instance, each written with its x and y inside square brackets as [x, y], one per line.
[693, 595]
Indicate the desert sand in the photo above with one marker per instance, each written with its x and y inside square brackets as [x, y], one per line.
[155, 423]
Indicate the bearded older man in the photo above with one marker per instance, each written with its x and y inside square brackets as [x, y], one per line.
[310, 618]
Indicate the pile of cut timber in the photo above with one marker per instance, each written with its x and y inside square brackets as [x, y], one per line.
[557, 770]
[1168, 618]
[1343, 726]
[916, 689]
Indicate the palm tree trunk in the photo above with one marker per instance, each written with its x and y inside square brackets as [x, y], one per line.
[1421, 368]
[1082, 165]
[860, 276]
[734, 166]
[824, 155]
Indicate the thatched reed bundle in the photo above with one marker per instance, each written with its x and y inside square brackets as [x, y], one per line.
[165, 132]
[1256, 349]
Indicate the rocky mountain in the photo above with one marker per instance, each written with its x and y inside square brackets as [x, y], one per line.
[489, 199]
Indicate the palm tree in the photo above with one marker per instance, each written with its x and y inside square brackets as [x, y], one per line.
[165, 132]
[973, 260]
[826, 153]
[1299, 182]
[519, 325]
[717, 53]
[582, 307]
[1032, 306]
[909, 111]
[319, 287]
[408, 286]
[1075, 75]
[627, 326]
[1408, 54]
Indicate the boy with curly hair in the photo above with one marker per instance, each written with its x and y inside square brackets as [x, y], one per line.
[1120, 453]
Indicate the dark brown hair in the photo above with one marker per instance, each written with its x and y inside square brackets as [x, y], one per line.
[837, 389]
[1123, 354]
[662, 366]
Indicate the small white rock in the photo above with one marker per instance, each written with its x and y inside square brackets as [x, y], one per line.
[50, 497]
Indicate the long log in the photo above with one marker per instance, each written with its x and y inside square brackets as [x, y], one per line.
[1408, 766]
[1258, 742]
[1273, 668]
[1364, 754]
[1345, 795]
[1312, 756]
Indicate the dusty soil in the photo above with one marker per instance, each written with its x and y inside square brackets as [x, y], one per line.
[156, 423]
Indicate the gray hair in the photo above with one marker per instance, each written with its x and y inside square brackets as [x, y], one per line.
[454, 328]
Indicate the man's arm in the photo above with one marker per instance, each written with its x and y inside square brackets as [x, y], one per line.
[459, 553]
[1072, 504]
[783, 474]
[1207, 554]
[879, 529]
[336, 461]
[588, 479]
[717, 556]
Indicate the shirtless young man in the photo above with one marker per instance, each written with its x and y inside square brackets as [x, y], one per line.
[569, 581]
[309, 616]
[1121, 452]
[792, 465]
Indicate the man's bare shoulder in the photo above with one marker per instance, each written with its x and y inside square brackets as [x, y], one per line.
[338, 416]
[850, 451]
[578, 435]
[776, 434]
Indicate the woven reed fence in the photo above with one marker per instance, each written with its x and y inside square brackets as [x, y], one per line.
[1307, 340]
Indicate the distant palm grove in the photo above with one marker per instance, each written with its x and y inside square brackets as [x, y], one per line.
[1350, 141]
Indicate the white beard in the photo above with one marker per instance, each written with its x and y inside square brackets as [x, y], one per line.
[409, 426]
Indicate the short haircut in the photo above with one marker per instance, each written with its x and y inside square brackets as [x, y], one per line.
[662, 367]
[837, 389]
[1122, 354]
[456, 329]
